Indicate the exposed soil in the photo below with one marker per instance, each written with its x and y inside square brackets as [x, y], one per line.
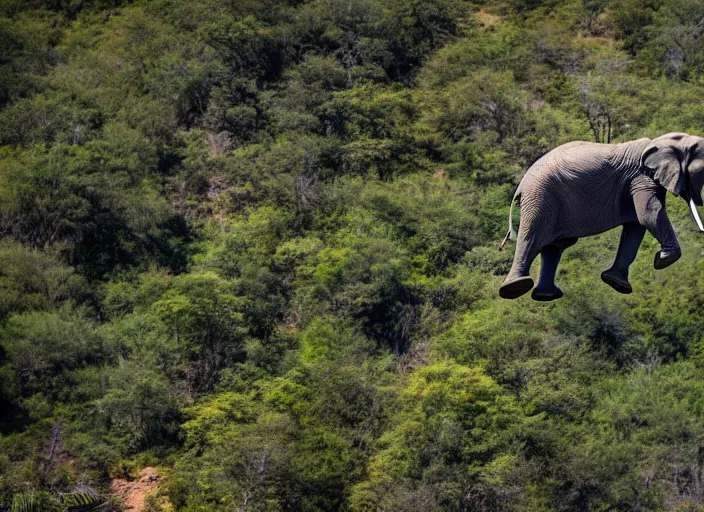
[133, 492]
[487, 19]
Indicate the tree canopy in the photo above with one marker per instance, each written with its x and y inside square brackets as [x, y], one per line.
[254, 244]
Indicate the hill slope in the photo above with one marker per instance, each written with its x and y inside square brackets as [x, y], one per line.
[255, 244]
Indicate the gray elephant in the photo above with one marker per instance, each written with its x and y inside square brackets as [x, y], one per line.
[584, 188]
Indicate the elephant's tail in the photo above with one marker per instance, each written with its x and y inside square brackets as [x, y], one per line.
[511, 232]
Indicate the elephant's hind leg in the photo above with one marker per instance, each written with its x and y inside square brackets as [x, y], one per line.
[518, 282]
[515, 287]
[550, 259]
[617, 276]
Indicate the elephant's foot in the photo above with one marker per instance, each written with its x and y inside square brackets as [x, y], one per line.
[617, 280]
[664, 259]
[546, 294]
[514, 288]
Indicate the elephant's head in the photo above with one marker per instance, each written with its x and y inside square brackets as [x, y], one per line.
[676, 161]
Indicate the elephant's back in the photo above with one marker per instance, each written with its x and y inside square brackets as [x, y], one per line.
[575, 169]
[574, 160]
[576, 185]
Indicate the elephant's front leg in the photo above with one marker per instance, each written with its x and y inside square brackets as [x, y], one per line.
[649, 202]
[617, 276]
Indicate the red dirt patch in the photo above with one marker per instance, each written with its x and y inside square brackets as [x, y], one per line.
[486, 19]
[133, 492]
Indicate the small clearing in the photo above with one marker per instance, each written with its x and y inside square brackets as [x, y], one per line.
[486, 19]
[133, 492]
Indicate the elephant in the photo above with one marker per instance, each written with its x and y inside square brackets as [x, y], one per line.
[585, 188]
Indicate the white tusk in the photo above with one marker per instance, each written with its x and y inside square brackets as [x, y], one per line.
[695, 214]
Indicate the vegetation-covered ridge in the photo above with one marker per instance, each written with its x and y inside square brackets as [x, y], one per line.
[254, 244]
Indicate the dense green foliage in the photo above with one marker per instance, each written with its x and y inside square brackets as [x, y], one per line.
[254, 243]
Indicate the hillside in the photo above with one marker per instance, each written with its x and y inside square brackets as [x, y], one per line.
[253, 245]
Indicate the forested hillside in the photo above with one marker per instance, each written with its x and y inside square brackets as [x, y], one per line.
[254, 244]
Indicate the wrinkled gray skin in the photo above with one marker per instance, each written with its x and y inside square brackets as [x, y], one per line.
[583, 188]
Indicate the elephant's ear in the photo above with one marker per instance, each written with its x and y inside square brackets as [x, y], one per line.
[665, 166]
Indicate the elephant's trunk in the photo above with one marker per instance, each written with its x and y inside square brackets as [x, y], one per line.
[695, 214]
